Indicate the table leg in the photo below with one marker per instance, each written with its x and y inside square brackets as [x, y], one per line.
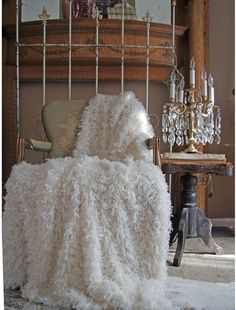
[182, 235]
[193, 223]
[204, 227]
[187, 224]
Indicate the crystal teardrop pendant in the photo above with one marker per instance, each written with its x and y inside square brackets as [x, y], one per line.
[178, 141]
[164, 137]
[218, 122]
[165, 122]
[181, 125]
[217, 139]
[171, 138]
[210, 139]
[204, 140]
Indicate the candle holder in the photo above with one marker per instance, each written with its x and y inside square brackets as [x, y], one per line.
[191, 117]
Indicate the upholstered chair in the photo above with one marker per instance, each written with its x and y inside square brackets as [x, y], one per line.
[61, 124]
[60, 121]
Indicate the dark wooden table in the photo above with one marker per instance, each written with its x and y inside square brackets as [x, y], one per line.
[193, 223]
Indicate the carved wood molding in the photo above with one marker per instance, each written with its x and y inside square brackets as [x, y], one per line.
[88, 26]
[83, 32]
[87, 73]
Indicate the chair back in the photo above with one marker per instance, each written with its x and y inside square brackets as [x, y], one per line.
[61, 120]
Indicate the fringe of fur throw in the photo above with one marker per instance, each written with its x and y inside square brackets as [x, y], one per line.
[91, 232]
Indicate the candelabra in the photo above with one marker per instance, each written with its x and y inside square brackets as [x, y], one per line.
[190, 117]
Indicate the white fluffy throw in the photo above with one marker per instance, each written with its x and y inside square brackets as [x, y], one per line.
[91, 232]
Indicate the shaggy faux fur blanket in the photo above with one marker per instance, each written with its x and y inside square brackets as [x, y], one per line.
[91, 231]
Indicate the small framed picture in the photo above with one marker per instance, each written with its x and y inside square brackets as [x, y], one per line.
[108, 8]
[90, 5]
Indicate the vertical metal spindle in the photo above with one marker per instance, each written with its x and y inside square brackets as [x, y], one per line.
[122, 45]
[97, 48]
[44, 17]
[70, 51]
[44, 64]
[17, 72]
[173, 4]
[148, 19]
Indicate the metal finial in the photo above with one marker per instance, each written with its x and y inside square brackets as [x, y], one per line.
[173, 2]
[97, 15]
[44, 16]
[147, 18]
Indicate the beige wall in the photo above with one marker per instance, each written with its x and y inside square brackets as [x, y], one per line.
[221, 56]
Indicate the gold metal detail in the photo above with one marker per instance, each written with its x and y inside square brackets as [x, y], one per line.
[20, 149]
[156, 151]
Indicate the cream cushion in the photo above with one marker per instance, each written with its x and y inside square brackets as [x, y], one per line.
[61, 121]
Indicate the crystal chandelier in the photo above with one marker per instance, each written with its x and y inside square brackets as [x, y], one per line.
[191, 117]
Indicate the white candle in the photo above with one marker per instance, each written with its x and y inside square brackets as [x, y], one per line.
[204, 83]
[172, 90]
[211, 88]
[181, 95]
[181, 91]
[211, 94]
[192, 72]
[172, 86]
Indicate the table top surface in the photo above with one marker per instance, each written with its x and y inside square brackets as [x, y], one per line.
[217, 167]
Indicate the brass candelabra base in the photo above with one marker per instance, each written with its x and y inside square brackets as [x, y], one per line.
[191, 149]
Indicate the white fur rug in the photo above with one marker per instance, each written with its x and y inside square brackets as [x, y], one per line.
[199, 295]
[185, 294]
[91, 232]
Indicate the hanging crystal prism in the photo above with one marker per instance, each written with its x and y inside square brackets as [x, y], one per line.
[178, 140]
[217, 139]
[218, 126]
[171, 138]
[189, 117]
[165, 120]
[164, 137]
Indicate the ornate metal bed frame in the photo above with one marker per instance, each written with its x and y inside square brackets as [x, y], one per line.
[122, 46]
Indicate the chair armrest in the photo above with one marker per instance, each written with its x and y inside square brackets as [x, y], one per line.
[154, 143]
[149, 143]
[39, 146]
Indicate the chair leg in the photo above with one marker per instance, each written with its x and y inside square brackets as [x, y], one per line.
[20, 149]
